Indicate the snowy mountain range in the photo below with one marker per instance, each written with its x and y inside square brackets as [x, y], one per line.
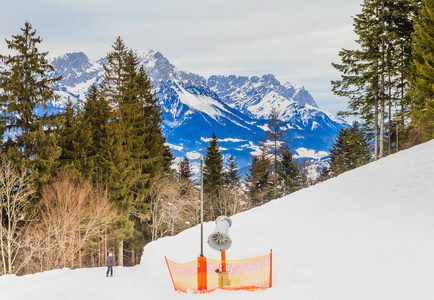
[236, 108]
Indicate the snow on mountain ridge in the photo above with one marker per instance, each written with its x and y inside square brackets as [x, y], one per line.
[252, 95]
[76, 68]
[202, 103]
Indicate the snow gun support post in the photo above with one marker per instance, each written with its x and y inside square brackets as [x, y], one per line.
[219, 240]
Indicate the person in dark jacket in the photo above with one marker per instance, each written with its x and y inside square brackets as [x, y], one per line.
[110, 264]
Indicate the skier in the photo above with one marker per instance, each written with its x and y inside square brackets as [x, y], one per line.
[110, 264]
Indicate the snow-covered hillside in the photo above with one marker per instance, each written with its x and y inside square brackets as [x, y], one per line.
[367, 234]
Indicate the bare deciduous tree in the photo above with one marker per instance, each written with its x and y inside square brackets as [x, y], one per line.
[232, 201]
[174, 207]
[72, 215]
[15, 197]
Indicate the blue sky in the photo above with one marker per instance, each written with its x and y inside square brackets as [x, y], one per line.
[295, 40]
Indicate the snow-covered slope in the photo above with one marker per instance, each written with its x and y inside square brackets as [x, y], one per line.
[367, 234]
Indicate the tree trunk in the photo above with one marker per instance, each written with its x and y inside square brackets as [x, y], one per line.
[376, 112]
[381, 154]
[382, 93]
[121, 254]
[397, 137]
[376, 129]
[390, 116]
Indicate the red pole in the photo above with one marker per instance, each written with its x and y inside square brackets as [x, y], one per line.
[223, 254]
[201, 274]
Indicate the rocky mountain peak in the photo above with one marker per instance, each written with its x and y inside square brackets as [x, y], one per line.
[75, 68]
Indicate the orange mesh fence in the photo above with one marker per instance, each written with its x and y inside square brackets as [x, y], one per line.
[247, 274]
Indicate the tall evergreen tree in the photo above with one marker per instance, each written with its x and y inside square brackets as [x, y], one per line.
[350, 150]
[423, 77]
[232, 176]
[27, 86]
[275, 143]
[74, 136]
[117, 86]
[288, 174]
[149, 156]
[213, 168]
[97, 115]
[185, 172]
[400, 60]
[258, 180]
[137, 120]
[168, 159]
[373, 76]
[111, 173]
[212, 176]
[154, 139]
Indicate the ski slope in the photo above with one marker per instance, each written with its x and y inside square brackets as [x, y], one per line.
[367, 234]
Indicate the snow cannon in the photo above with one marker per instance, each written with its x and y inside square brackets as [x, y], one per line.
[219, 240]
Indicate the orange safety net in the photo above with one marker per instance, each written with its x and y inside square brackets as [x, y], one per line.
[247, 274]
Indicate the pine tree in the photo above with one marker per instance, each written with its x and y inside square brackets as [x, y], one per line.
[212, 177]
[288, 174]
[117, 85]
[338, 154]
[97, 115]
[111, 171]
[154, 139]
[74, 136]
[232, 176]
[136, 120]
[274, 144]
[27, 86]
[323, 175]
[213, 168]
[184, 175]
[402, 14]
[372, 73]
[423, 77]
[149, 156]
[110, 174]
[185, 172]
[258, 180]
[168, 159]
[350, 150]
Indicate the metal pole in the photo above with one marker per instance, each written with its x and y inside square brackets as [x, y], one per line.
[201, 205]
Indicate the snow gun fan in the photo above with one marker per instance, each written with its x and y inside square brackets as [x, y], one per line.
[219, 240]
